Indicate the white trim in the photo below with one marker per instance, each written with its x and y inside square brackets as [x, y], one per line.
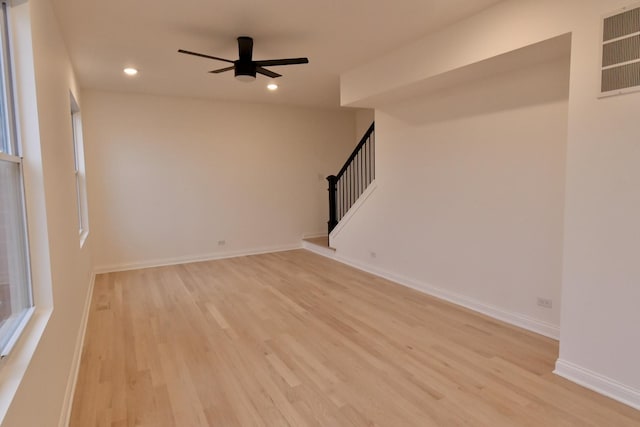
[318, 249]
[83, 237]
[15, 335]
[353, 209]
[16, 364]
[620, 64]
[598, 383]
[10, 158]
[65, 414]
[193, 258]
[617, 39]
[534, 325]
[314, 235]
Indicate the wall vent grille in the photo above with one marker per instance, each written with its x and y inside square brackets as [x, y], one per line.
[621, 52]
[622, 24]
[621, 77]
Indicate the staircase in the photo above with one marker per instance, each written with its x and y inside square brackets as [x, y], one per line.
[352, 179]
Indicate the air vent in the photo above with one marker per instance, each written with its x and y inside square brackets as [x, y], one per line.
[621, 52]
[622, 24]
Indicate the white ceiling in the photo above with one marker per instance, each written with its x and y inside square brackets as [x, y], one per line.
[103, 37]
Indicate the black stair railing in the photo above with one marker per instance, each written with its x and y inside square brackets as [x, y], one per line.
[353, 179]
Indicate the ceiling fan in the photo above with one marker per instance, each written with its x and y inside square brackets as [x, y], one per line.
[245, 68]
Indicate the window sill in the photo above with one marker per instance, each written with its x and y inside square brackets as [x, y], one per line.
[20, 325]
[14, 366]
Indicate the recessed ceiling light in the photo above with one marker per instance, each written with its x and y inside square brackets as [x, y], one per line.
[130, 71]
[272, 86]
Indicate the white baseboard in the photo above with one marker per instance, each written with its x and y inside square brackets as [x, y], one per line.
[65, 415]
[193, 258]
[598, 383]
[516, 319]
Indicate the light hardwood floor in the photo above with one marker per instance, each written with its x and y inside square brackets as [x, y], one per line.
[295, 339]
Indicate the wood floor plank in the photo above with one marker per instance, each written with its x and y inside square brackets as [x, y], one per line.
[295, 339]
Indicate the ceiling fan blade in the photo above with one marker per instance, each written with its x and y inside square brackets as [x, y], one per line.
[288, 61]
[203, 55]
[245, 48]
[267, 73]
[222, 70]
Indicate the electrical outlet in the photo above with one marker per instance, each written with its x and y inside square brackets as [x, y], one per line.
[222, 242]
[545, 302]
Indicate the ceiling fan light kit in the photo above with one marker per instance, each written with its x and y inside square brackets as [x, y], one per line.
[245, 68]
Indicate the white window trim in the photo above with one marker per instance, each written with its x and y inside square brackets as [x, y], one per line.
[18, 320]
[14, 366]
[9, 158]
[17, 333]
[79, 170]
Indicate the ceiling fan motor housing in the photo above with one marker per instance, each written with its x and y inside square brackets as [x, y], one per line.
[245, 70]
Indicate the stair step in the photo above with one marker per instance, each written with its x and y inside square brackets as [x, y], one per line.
[322, 241]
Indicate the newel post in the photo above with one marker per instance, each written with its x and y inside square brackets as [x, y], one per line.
[333, 217]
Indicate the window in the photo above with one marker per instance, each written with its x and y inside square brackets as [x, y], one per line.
[78, 169]
[15, 284]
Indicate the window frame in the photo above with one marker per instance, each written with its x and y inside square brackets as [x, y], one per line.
[8, 83]
[13, 153]
[79, 170]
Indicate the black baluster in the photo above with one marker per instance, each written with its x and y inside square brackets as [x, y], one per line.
[333, 221]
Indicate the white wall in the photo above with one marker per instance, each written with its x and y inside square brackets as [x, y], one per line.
[599, 339]
[171, 177]
[364, 118]
[60, 268]
[470, 190]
